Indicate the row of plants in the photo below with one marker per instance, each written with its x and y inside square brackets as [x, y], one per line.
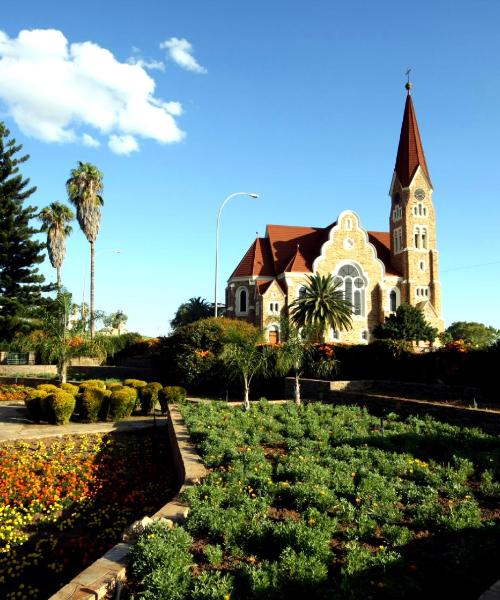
[64, 502]
[328, 502]
[92, 400]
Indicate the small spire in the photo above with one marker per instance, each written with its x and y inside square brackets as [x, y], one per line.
[408, 83]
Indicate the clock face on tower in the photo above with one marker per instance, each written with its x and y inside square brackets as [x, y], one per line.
[419, 194]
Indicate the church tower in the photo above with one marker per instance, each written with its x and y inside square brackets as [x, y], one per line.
[412, 222]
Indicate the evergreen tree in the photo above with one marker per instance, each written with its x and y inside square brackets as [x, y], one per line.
[407, 324]
[21, 285]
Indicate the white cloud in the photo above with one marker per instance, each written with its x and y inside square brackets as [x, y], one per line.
[151, 65]
[90, 141]
[123, 144]
[51, 88]
[180, 51]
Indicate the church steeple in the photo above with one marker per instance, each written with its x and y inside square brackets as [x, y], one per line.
[410, 150]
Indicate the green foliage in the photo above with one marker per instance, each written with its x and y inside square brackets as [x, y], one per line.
[322, 306]
[160, 562]
[172, 394]
[36, 404]
[61, 405]
[92, 383]
[190, 356]
[148, 396]
[192, 310]
[407, 324]
[90, 400]
[70, 388]
[212, 585]
[47, 387]
[135, 383]
[55, 219]
[121, 403]
[474, 335]
[21, 285]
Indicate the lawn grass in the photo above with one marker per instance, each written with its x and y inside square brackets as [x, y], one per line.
[328, 502]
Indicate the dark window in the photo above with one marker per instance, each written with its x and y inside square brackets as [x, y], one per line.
[243, 301]
[393, 299]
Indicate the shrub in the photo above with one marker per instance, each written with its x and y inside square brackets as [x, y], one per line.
[70, 388]
[105, 406]
[121, 403]
[36, 408]
[47, 387]
[172, 394]
[212, 585]
[114, 386]
[92, 383]
[135, 383]
[148, 396]
[61, 405]
[90, 403]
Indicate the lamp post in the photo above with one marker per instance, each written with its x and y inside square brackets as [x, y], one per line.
[251, 195]
[85, 283]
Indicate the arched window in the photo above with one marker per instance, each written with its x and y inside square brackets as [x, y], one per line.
[273, 334]
[393, 300]
[353, 286]
[242, 300]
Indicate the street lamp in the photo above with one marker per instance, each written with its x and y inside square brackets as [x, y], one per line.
[85, 283]
[251, 195]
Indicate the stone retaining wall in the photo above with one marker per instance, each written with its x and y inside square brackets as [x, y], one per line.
[101, 578]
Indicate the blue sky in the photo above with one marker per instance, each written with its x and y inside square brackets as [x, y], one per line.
[299, 101]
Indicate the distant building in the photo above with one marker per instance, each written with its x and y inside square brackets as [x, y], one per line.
[377, 269]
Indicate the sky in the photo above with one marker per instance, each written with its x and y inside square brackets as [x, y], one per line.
[180, 104]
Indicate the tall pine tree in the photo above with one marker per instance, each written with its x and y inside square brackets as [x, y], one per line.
[21, 285]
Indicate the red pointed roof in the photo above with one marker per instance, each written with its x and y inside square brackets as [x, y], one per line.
[297, 262]
[257, 261]
[410, 150]
[283, 240]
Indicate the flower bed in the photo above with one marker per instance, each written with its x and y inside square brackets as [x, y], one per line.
[64, 502]
[13, 393]
[328, 502]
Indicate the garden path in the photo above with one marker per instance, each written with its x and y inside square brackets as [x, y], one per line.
[15, 425]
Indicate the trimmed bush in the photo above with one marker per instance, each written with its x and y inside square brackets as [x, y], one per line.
[171, 394]
[61, 406]
[135, 383]
[105, 406]
[92, 383]
[121, 403]
[114, 386]
[90, 401]
[47, 387]
[70, 388]
[148, 396]
[36, 408]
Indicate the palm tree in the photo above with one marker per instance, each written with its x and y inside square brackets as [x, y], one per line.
[192, 310]
[55, 219]
[322, 305]
[84, 191]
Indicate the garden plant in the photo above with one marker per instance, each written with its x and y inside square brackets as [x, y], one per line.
[324, 501]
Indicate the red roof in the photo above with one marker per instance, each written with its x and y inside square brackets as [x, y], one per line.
[257, 261]
[410, 150]
[289, 248]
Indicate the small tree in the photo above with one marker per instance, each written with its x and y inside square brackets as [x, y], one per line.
[406, 325]
[192, 310]
[244, 357]
[295, 355]
[474, 335]
[55, 342]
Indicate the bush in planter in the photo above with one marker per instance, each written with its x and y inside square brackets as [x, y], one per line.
[171, 394]
[70, 388]
[135, 383]
[90, 401]
[61, 406]
[121, 403]
[148, 396]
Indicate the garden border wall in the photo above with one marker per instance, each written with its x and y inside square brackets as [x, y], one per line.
[105, 574]
[381, 400]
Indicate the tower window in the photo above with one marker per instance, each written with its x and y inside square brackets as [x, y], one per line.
[421, 265]
[419, 210]
[397, 213]
[348, 224]
[398, 240]
[420, 237]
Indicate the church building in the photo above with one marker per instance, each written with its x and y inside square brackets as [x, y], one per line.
[377, 270]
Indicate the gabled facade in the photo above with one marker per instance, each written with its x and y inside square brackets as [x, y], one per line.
[377, 270]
